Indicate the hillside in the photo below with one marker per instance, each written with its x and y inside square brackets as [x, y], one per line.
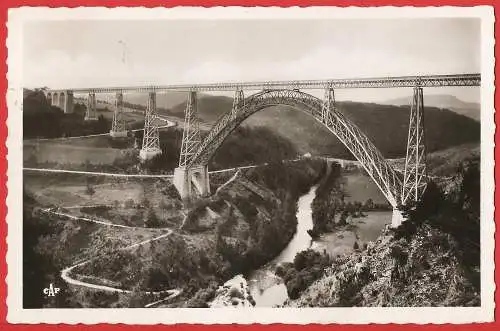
[431, 260]
[42, 120]
[163, 100]
[385, 125]
[445, 101]
[210, 107]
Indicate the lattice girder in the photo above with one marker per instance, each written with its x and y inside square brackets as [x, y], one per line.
[91, 112]
[118, 124]
[238, 102]
[151, 138]
[347, 132]
[191, 137]
[415, 171]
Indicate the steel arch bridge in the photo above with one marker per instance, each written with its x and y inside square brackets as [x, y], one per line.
[382, 173]
[191, 176]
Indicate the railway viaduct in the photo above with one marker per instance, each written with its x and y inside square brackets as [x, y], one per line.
[191, 176]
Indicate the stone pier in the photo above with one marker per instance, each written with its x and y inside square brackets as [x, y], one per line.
[64, 100]
[192, 182]
[397, 218]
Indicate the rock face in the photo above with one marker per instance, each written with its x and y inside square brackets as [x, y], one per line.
[234, 293]
[424, 270]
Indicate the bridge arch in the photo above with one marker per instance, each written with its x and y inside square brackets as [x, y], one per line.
[62, 100]
[382, 173]
[55, 99]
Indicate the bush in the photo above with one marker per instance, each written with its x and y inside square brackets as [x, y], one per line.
[90, 190]
[41, 120]
[307, 266]
[151, 220]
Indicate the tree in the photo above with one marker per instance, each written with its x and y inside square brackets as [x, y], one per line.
[343, 217]
[369, 205]
[90, 189]
[145, 202]
[164, 206]
[129, 203]
[151, 220]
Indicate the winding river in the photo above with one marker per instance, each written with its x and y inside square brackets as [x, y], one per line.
[268, 290]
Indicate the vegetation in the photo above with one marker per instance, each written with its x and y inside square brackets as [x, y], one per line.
[41, 120]
[39, 269]
[329, 208]
[307, 266]
[246, 224]
[249, 146]
[256, 219]
[444, 128]
[456, 212]
[431, 260]
[269, 213]
[266, 146]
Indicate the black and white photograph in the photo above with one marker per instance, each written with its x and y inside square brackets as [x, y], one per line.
[258, 163]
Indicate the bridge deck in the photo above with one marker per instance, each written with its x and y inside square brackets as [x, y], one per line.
[377, 82]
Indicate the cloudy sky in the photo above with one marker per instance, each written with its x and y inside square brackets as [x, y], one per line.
[63, 54]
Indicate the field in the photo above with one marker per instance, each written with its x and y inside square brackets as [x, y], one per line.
[93, 150]
[128, 200]
[359, 187]
[132, 117]
[445, 162]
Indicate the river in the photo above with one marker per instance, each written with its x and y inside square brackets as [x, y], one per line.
[268, 290]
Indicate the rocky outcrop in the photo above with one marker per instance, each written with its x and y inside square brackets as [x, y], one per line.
[423, 270]
[234, 293]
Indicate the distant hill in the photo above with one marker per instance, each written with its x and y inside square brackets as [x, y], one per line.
[385, 125]
[445, 101]
[210, 107]
[163, 100]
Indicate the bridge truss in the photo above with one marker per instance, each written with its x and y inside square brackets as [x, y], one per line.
[398, 188]
[151, 138]
[91, 112]
[191, 134]
[118, 124]
[415, 171]
[324, 112]
[347, 83]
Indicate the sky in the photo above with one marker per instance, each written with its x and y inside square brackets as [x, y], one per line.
[95, 53]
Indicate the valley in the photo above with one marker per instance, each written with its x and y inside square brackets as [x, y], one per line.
[267, 235]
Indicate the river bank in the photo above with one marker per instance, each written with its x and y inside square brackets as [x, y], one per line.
[269, 290]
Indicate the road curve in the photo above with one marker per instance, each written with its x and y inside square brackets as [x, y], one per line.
[91, 220]
[65, 275]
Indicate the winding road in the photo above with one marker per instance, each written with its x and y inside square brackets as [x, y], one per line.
[66, 272]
